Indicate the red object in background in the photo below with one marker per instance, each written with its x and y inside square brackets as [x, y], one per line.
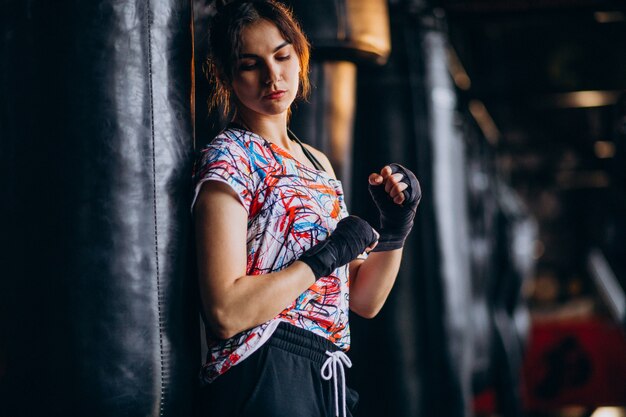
[485, 403]
[575, 363]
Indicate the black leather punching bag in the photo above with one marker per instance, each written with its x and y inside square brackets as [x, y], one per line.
[96, 142]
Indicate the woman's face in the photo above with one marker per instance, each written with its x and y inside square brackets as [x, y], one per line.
[267, 73]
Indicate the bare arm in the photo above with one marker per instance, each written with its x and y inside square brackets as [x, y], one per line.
[371, 280]
[233, 301]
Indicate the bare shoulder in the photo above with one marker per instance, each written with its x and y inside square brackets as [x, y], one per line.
[323, 160]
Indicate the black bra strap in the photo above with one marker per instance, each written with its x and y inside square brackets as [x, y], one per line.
[307, 153]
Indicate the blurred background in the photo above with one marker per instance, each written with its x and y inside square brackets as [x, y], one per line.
[513, 113]
[543, 81]
[511, 297]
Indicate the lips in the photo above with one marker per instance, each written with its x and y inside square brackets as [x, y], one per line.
[274, 95]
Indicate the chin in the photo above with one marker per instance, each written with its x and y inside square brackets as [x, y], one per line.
[275, 109]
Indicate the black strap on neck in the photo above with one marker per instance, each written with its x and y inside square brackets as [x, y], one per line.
[307, 153]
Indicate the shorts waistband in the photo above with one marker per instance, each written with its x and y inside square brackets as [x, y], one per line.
[301, 342]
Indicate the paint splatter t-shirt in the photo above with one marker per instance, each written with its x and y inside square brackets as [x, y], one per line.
[290, 208]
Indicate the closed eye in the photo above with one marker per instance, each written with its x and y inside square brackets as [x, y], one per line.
[247, 66]
[283, 57]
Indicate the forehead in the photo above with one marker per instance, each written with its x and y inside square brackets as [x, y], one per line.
[260, 38]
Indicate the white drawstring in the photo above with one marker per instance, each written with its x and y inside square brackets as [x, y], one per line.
[334, 365]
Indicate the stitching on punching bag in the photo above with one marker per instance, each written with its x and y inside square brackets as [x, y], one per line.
[154, 207]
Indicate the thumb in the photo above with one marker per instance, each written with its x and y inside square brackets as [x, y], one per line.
[375, 179]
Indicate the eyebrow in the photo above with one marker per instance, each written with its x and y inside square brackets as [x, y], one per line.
[278, 48]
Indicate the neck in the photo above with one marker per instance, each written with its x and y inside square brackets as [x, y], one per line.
[273, 128]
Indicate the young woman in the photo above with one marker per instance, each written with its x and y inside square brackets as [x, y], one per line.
[280, 261]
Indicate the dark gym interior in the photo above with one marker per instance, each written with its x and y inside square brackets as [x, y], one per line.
[512, 113]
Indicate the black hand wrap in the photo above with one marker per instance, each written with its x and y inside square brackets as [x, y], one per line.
[396, 220]
[349, 239]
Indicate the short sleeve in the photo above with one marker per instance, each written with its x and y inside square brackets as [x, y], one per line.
[225, 161]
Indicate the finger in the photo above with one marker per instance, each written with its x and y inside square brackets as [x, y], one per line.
[385, 172]
[371, 247]
[374, 243]
[398, 176]
[398, 189]
[399, 199]
[375, 179]
[392, 181]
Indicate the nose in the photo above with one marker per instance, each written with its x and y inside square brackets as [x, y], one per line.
[272, 73]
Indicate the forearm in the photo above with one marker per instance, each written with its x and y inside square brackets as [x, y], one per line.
[371, 281]
[253, 299]
[233, 301]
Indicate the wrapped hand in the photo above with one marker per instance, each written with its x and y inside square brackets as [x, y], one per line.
[351, 237]
[396, 192]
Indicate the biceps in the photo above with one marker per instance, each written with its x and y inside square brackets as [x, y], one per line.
[220, 229]
[353, 268]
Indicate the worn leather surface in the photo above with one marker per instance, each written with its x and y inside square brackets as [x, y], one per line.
[97, 315]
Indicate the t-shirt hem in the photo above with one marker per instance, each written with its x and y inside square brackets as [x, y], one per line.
[269, 331]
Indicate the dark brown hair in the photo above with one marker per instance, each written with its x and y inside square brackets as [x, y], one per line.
[225, 44]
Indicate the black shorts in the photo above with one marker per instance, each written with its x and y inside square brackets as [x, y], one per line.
[281, 379]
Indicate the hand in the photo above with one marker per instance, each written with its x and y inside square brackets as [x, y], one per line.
[396, 192]
[352, 236]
